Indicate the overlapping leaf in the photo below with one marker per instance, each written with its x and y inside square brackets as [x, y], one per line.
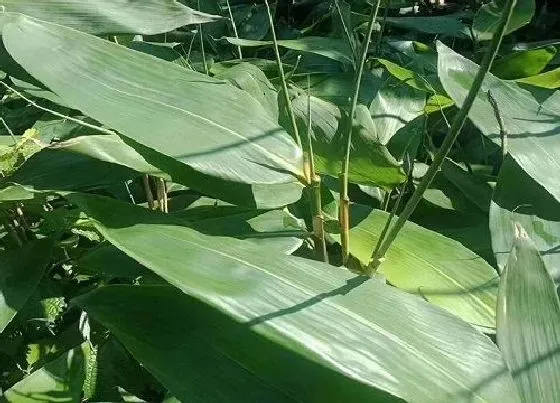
[146, 17]
[487, 18]
[335, 49]
[20, 272]
[437, 268]
[371, 333]
[188, 118]
[58, 381]
[371, 162]
[532, 128]
[519, 199]
[529, 322]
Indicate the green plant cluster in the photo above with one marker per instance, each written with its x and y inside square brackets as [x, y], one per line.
[292, 201]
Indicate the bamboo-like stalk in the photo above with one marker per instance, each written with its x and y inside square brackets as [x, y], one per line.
[162, 195]
[499, 118]
[383, 25]
[202, 45]
[161, 191]
[312, 180]
[455, 129]
[344, 205]
[285, 94]
[234, 28]
[148, 190]
[315, 190]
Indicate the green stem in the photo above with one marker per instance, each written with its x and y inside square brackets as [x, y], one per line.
[344, 217]
[202, 45]
[391, 216]
[454, 131]
[148, 191]
[315, 190]
[234, 27]
[383, 25]
[287, 100]
[499, 118]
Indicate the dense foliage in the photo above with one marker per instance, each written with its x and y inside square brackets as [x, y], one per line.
[311, 201]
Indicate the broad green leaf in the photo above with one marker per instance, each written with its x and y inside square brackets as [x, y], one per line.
[487, 18]
[395, 105]
[335, 49]
[532, 128]
[474, 189]
[20, 272]
[418, 53]
[56, 170]
[549, 79]
[58, 381]
[208, 131]
[407, 76]
[528, 318]
[15, 193]
[437, 268]
[164, 51]
[98, 17]
[371, 162]
[367, 331]
[97, 161]
[519, 199]
[250, 78]
[523, 64]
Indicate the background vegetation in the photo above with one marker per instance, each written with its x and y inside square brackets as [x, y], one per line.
[301, 201]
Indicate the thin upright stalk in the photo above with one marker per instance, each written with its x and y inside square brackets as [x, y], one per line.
[383, 25]
[234, 28]
[315, 190]
[161, 191]
[344, 208]
[391, 216]
[500, 119]
[148, 190]
[286, 96]
[202, 45]
[455, 129]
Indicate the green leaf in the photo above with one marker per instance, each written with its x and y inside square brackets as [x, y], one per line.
[20, 272]
[321, 313]
[97, 161]
[523, 64]
[437, 268]
[208, 131]
[519, 199]
[441, 24]
[370, 161]
[148, 17]
[549, 79]
[529, 322]
[335, 49]
[408, 77]
[395, 105]
[532, 128]
[250, 78]
[487, 18]
[473, 188]
[58, 381]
